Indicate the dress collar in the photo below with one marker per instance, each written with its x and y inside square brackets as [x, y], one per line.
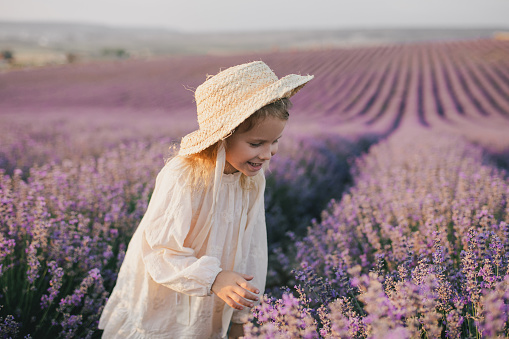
[231, 178]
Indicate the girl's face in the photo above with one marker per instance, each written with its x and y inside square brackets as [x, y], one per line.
[248, 151]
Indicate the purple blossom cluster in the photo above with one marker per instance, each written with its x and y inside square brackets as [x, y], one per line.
[418, 247]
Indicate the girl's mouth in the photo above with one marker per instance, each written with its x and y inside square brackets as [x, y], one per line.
[255, 165]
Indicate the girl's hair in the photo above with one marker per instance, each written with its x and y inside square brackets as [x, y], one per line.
[202, 164]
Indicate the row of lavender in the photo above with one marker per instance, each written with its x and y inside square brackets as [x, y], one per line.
[442, 81]
[65, 224]
[374, 86]
[308, 171]
[418, 247]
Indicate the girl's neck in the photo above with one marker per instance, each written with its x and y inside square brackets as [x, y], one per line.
[229, 169]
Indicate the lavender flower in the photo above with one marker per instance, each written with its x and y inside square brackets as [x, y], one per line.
[33, 265]
[495, 313]
[9, 328]
[55, 283]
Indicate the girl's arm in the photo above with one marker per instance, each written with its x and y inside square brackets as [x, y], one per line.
[165, 226]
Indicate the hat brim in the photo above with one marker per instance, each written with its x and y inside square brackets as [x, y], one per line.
[285, 87]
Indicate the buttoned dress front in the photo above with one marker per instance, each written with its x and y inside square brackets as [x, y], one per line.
[186, 237]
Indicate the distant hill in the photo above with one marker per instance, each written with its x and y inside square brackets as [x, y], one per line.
[55, 41]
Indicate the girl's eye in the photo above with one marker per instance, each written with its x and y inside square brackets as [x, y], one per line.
[254, 145]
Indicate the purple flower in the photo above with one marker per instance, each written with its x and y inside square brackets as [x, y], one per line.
[33, 264]
[55, 283]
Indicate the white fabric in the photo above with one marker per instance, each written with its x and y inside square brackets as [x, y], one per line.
[184, 240]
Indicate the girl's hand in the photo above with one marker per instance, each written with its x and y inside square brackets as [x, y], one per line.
[234, 289]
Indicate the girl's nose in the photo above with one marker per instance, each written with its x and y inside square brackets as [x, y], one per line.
[273, 149]
[266, 154]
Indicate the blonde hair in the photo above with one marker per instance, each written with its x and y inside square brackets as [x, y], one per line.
[202, 164]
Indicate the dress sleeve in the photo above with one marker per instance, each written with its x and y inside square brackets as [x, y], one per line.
[166, 225]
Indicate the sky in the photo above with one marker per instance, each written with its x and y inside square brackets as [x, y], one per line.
[261, 15]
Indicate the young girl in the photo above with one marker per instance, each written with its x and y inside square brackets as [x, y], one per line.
[198, 260]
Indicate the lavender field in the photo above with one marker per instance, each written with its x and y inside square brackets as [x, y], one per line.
[387, 204]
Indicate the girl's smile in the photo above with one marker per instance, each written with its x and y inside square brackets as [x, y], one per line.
[247, 151]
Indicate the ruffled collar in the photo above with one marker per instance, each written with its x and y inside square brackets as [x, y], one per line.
[231, 178]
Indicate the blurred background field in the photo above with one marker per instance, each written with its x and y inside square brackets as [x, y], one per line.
[41, 43]
[387, 205]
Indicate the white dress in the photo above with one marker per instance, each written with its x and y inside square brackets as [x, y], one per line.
[185, 238]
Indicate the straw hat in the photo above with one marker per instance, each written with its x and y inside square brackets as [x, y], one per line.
[225, 100]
